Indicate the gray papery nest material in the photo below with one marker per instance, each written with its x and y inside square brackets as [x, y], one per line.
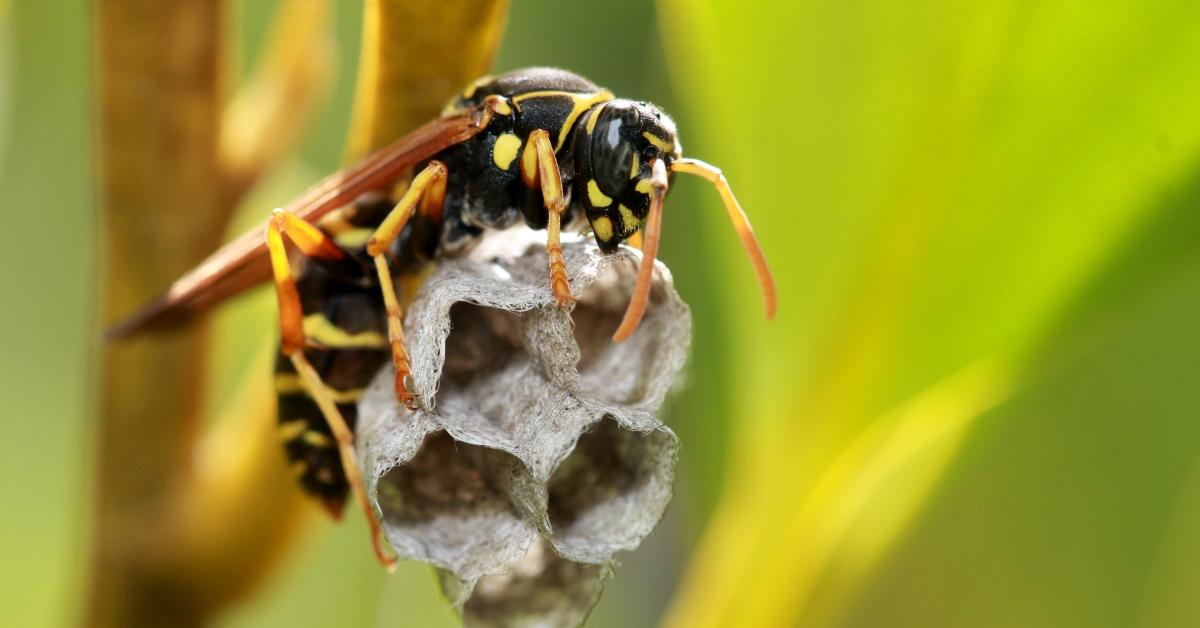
[536, 454]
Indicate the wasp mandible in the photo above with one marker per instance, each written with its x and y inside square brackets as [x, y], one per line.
[541, 146]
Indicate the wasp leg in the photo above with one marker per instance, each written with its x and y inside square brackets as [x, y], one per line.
[550, 180]
[428, 192]
[635, 240]
[309, 239]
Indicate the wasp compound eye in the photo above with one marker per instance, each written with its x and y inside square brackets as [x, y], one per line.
[612, 150]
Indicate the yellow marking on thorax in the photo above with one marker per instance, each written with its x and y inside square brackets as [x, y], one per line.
[505, 150]
[603, 228]
[658, 142]
[595, 196]
[643, 186]
[321, 330]
[473, 87]
[581, 103]
[290, 383]
[467, 93]
[634, 166]
[630, 221]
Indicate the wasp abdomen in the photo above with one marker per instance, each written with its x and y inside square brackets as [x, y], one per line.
[348, 330]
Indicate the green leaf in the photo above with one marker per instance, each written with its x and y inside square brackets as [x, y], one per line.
[1074, 502]
[937, 186]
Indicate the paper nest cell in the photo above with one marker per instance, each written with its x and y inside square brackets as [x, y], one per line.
[536, 453]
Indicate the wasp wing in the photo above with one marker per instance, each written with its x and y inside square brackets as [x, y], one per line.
[244, 262]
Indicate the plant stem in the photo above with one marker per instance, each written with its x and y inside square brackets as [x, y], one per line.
[160, 117]
[184, 525]
[173, 540]
[415, 56]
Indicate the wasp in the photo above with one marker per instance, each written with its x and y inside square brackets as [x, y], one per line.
[541, 146]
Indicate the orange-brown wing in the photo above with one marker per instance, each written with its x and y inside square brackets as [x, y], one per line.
[244, 263]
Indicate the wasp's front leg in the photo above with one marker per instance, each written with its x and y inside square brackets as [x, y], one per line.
[545, 174]
[427, 192]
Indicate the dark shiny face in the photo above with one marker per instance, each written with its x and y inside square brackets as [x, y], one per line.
[614, 153]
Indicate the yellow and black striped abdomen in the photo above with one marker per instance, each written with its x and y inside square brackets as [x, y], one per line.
[347, 323]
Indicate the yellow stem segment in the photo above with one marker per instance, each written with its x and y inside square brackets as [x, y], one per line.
[415, 57]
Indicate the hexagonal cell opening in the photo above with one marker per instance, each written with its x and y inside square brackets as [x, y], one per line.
[481, 343]
[618, 373]
[443, 507]
[445, 479]
[543, 589]
[611, 491]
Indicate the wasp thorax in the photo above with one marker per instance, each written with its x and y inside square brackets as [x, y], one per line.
[615, 145]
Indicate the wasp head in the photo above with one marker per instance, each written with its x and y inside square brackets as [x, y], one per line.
[617, 145]
[627, 154]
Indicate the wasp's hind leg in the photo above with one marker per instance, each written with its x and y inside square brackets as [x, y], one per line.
[550, 180]
[312, 242]
[428, 193]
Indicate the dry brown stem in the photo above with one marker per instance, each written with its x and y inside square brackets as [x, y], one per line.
[185, 524]
[166, 197]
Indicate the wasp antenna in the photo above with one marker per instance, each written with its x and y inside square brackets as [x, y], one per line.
[740, 223]
[653, 229]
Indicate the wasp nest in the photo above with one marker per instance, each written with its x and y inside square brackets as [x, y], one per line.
[536, 453]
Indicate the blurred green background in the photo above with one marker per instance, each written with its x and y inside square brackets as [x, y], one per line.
[979, 404]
